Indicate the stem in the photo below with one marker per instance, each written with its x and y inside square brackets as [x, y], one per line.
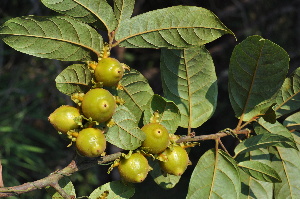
[1, 178]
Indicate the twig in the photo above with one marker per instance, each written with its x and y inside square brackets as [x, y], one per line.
[1, 179]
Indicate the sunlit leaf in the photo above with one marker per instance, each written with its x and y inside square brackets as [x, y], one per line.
[113, 190]
[216, 175]
[257, 70]
[66, 185]
[189, 80]
[123, 9]
[293, 121]
[173, 27]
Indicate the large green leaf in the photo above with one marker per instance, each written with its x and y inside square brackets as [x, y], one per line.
[173, 27]
[189, 80]
[286, 162]
[288, 99]
[260, 141]
[136, 92]
[216, 175]
[293, 121]
[113, 190]
[168, 113]
[60, 37]
[257, 70]
[123, 9]
[85, 10]
[252, 188]
[125, 134]
[74, 79]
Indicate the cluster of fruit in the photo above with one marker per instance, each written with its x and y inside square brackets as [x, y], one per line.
[98, 106]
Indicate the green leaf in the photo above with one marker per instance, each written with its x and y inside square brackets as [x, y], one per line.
[125, 134]
[74, 79]
[168, 113]
[288, 99]
[173, 27]
[293, 121]
[66, 185]
[252, 188]
[166, 181]
[216, 175]
[286, 162]
[257, 70]
[136, 92]
[260, 171]
[260, 141]
[189, 80]
[296, 136]
[60, 37]
[85, 10]
[123, 9]
[113, 190]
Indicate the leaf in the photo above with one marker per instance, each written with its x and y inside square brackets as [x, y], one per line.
[113, 190]
[168, 113]
[123, 9]
[173, 27]
[136, 92]
[66, 185]
[288, 99]
[257, 70]
[260, 141]
[252, 188]
[74, 79]
[293, 121]
[296, 136]
[166, 181]
[260, 171]
[125, 134]
[58, 37]
[189, 80]
[286, 162]
[216, 175]
[85, 10]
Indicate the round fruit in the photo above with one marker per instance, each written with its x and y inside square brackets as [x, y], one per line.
[99, 104]
[63, 118]
[157, 138]
[109, 71]
[177, 162]
[90, 142]
[134, 169]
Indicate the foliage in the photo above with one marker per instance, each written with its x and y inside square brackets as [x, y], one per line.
[265, 163]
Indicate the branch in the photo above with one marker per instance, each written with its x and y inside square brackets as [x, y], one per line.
[1, 179]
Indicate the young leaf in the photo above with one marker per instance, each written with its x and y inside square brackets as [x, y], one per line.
[74, 79]
[123, 9]
[288, 99]
[112, 190]
[216, 175]
[166, 181]
[286, 162]
[189, 80]
[66, 185]
[125, 134]
[293, 121]
[173, 27]
[85, 10]
[257, 70]
[59, 37]
[168, 113]
[260, 171]
[136, 92]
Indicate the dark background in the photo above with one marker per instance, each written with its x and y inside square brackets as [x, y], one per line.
[30, 148]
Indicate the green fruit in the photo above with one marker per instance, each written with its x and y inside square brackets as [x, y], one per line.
[63, 118]
[157, 138]
[134, 169]
[177, 161]
[98, 104]
[109, 71]
[90, 142]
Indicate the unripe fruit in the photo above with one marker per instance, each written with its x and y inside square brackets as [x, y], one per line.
[90, 142]
[134, 169]
[63, 118]
[109, 71]
[177, 162]
[99, 104]
[157, 138]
